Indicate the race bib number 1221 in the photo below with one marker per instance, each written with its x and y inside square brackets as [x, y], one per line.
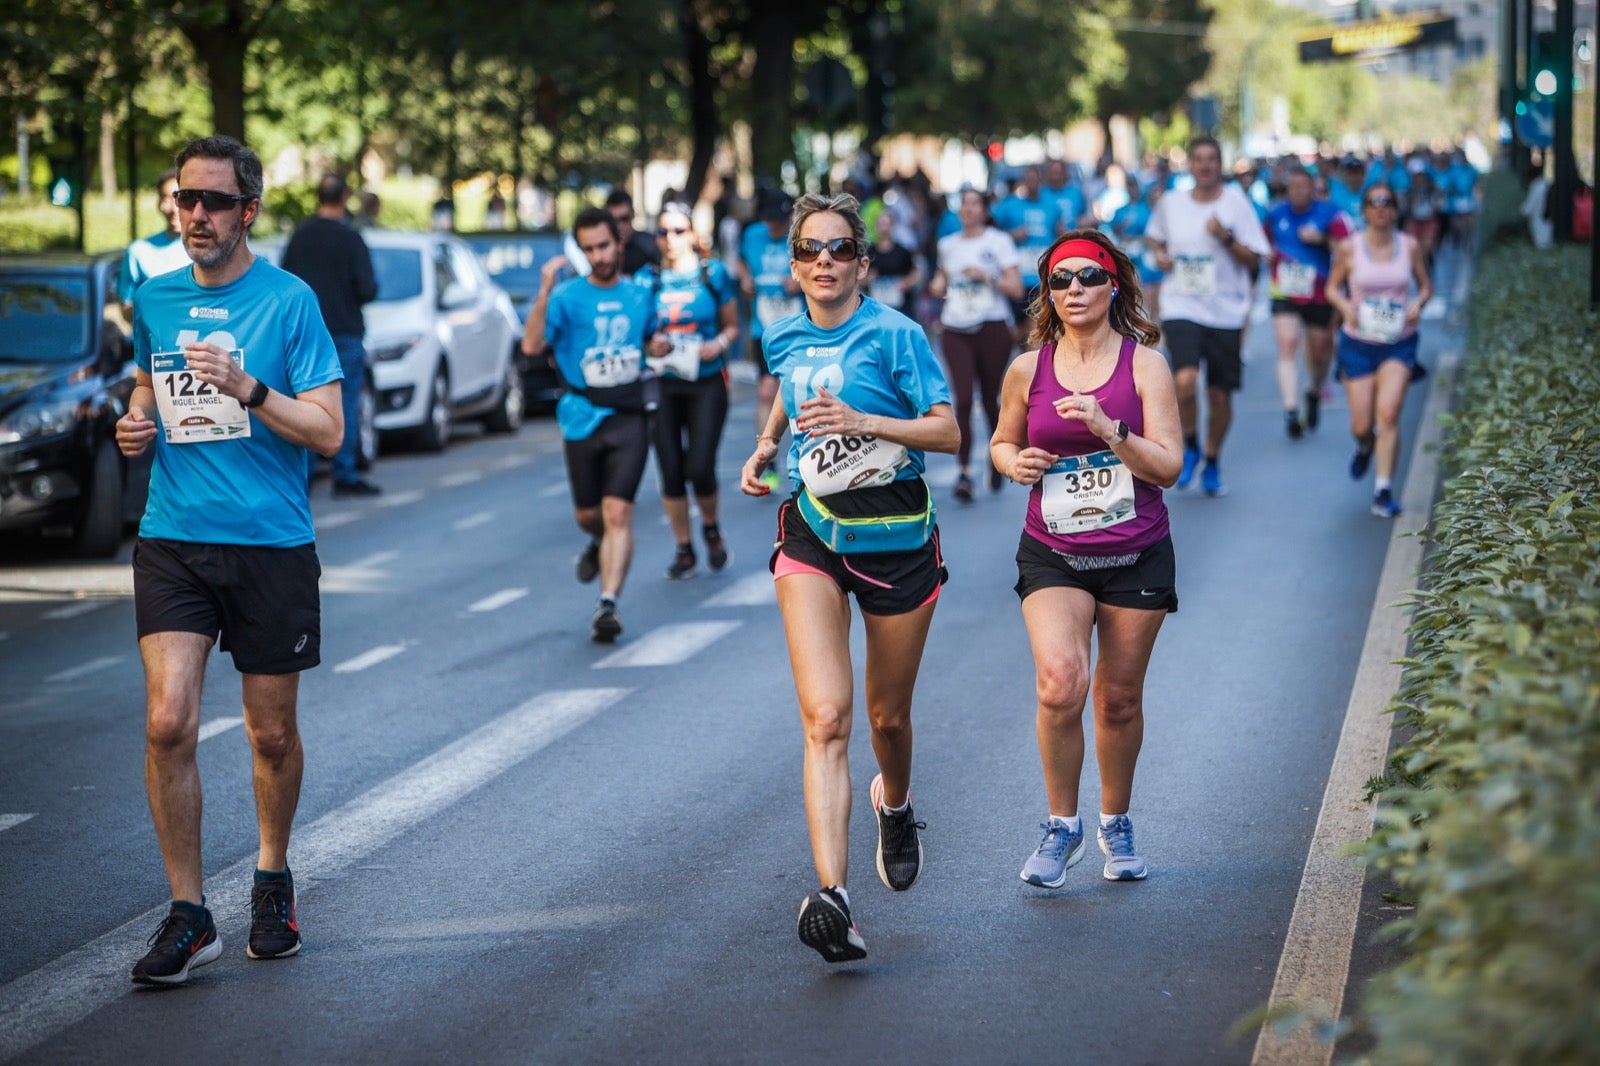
[193, 412]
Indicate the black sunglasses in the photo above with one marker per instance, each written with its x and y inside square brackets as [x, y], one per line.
[215, 201]
[1092, 277]
[676, 231]
[1380, 201]
[840, 249]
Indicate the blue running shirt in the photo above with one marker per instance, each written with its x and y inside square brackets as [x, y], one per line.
[878, 362]
[1300, 270]
[249, 490]
[767, 259]
[1040, 218]
[585, 322]
[686, 307]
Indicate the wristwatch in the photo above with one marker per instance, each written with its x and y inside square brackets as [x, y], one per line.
[1121, 434]
[258, 395]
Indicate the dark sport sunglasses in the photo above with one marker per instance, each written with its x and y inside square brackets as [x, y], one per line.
[1092, 277]
[840, 249]
[675, 231]
[1380, 201]
[215, 201]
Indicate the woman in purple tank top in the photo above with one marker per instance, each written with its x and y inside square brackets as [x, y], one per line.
[1090, 421]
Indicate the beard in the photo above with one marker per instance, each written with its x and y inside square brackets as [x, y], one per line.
[223, 245]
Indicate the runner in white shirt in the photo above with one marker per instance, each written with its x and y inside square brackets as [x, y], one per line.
[1210, 243]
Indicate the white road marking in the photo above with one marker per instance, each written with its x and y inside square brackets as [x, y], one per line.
[369, 658]
[75, 610]
[375, 560]
[60, 993]
[754, 590]
[90, 667]
[400, 499]
[462, 477]
[337, 519]
[498, 600]
[11, 821]
[549, 491]
[218, 725]
[1315, 965]
[669, 644]
[473, 521]
[511, 462]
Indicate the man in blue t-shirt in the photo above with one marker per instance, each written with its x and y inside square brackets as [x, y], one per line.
[242, 379]
[599, 330]
[152, 256]
[1034, 222]
[765, 280]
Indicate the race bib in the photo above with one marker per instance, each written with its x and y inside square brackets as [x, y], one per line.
[1296, 280]
[1081, 493]
[608, 366]
[838, 463]
[193, 412]
[1379, 320]
[771, 307]
[684, 359]
[1194, 275]
[969, 301]
[887, 291]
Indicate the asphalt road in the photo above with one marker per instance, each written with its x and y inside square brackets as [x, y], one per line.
[516, 846]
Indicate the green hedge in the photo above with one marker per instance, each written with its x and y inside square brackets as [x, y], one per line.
[1490, 813]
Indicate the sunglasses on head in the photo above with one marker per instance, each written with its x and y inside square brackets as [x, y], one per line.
[674, 231]
[215, 201]
[1380, 201]
[1091, 277]
[840, 249]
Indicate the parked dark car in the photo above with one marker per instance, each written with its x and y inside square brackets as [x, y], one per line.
[66, 372]
[514, 260]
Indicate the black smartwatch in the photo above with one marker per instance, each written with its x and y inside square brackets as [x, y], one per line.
[1121, 434]
[258, 395]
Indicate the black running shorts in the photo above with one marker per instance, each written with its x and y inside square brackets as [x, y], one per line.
[263, 603]
[1314, 315]
[884, 583]
[610, 461]
[1148, 582]
[1189, 344]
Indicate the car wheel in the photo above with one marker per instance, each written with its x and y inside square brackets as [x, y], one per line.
[367, 426]
[98, 530]
[507, 414]
[434, 433]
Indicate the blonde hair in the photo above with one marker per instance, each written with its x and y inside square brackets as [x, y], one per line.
[844, 205]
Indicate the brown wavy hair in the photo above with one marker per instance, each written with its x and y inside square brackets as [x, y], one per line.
[1127, 307]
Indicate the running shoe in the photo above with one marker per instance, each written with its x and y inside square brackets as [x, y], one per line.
[180, 943]
[1123, 863]
[771, 480]
[717, 554]
[1359, 463]
[1211, 480]
[827, 928]
[589, 562]
[1292, 426]
[683, 564]
[963, 489]
[1313, 408]
[899, 846]
[274, 932]
[1191, 459]
[606, 626]
[1384, 504]
[1057, 853]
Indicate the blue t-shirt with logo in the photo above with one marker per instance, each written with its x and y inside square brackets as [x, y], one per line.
[1068, 202]
[1040, 218]
[687, 302]
[589, 325]
[242, 490]
[878, 362]
[767, 259]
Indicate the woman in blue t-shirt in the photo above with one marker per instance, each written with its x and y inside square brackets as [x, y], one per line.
[694, 305]
[864, 394]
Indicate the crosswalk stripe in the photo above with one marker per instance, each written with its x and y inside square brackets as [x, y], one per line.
[400, 499]
[369, 658]
[90, 667]
[11, 821]
[755, 590]
[218, 725]
[669, 644]
[61, 614]
[473, 521]
[498, 600]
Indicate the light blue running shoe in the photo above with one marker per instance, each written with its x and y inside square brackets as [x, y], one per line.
[1123, 863]
[1211, 480]
[1191, 459]
[1057, 853]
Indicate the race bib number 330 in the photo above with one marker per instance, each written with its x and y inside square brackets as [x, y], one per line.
[193, 412]
[1081, 493]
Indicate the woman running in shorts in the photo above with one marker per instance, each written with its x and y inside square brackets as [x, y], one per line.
[1090, 421]
[865, 397]
[1379, 284]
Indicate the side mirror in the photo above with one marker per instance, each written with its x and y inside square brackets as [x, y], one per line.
[455, 294]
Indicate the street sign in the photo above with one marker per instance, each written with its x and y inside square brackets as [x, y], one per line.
[1357, 40]
[1536, 125]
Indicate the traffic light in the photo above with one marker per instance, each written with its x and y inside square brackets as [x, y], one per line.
[1543, 65]
[996, 151]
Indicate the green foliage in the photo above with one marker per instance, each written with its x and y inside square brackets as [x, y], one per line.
[1491, 818]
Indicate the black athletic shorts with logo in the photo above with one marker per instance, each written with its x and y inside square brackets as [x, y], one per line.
[263, 603]
[1147, 582]
[610, 461]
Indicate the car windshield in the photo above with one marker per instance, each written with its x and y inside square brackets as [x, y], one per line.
[399, 272]
[44, 318]
[514, 265]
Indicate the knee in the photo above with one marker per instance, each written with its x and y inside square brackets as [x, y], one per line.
[1118, 705]
[170, 729]
[827, 723]
[617, 514]
[273, 741]
[891, 722]
[1062, 688]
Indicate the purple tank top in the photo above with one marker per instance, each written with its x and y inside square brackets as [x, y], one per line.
[1060, 436]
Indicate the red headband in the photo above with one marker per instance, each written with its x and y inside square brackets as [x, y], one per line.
[1084, 248]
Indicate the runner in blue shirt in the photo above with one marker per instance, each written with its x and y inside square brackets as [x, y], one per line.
[600, 329]
[764, 278]
[242, 379]
[156, 254]
[1033, 222]
[865, 397]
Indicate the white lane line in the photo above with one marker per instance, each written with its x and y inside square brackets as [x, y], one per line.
[669, 644]
[218, 725]
[473, 521]
[375, 560]
[76, 610]
[550, 491]
[337, 519]
[511, 462]
[369, 658]
[463, 477]
[754, 590]
[1315, 965]
[90, 667]
[61, 993]
[498, 600]
[11, 821]
[400, 499]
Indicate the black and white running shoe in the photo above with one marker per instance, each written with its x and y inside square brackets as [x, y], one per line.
[899, 845]
[180, 943]
[827, 928]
